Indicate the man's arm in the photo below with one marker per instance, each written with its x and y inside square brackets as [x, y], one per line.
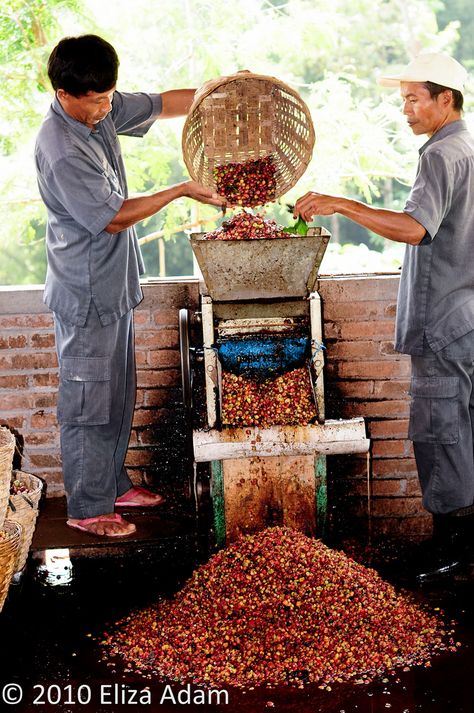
[176, 102]
[391, 224]
[135, 209]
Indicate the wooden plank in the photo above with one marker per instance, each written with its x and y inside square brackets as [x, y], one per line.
[264, 492]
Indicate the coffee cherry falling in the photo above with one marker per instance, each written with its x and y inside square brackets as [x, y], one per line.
[287, 400]
[247, 184]
[247, 226]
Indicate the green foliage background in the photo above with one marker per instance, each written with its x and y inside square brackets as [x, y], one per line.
[330, 51]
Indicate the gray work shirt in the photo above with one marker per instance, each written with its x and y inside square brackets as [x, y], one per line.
[436, 294]
[81, 179]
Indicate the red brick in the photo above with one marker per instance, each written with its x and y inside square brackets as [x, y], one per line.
[359, 289]
[413, 487]
[391, 467]
[136, 457]
[18, 321]
[143, 417]
[39, 438]
[158, 339]
[133, 441]
[396, 507]
[355, 389]
[397, 428]
[347, 351]
[360, 311]
[34, 360]
[157, 399]
[379, 488]
[50, 379]
[44, 400]
[147, 436]
[44, 460]
[141, 358]
[13, 381]
[43, 341]
[13, 341]
[12, 421]
[166, 317]
[141, 316]
[393, 369]
[43, 420]
[391, 449]
[376, 330]
[377, 409]
[164, 358]
[394, 389]
[16, 401]
[167, 377]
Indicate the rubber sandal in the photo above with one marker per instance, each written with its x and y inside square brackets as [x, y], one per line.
[83, 525]
[129, 500]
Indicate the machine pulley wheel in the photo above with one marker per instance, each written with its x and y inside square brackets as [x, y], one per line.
[185, 355]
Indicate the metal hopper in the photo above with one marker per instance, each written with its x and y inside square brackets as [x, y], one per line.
[279, 268]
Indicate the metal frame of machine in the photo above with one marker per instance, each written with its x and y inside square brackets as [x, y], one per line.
[253, 286]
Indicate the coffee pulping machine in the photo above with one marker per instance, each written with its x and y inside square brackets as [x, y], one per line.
[260, 316]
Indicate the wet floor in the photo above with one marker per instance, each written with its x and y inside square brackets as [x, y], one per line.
[51, 659]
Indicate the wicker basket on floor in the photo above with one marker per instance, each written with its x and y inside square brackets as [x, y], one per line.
[23, 509]
[248, 116]
[10, 539]
[7, 450]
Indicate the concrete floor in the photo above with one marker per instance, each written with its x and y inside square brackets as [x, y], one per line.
[51, 626]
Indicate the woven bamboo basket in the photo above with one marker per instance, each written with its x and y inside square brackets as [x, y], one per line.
[7, 450]
[9, 546]
[248, 116]
[23, 509]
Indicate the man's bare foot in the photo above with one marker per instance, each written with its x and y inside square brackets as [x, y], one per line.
[111, 525]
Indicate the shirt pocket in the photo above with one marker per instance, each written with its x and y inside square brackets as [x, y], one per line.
[84, 391]
[434, 411]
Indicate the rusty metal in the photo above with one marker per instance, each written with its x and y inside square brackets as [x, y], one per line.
[260, 269]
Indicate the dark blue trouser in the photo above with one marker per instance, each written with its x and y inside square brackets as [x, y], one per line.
[96, 401]
[442, 425]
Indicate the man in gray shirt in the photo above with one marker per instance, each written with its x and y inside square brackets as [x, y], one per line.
[94, 268]
[435, 310]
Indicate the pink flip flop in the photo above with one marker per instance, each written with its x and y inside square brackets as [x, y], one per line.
[83, 525]
[131, 499]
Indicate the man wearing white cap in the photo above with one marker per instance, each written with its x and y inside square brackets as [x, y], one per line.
[435, 310]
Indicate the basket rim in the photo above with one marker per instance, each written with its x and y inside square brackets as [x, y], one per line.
[36, 481]
[212, 85]
[13, 528]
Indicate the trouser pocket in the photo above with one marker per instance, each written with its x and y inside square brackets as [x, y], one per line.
[434, 409]
[84, 391]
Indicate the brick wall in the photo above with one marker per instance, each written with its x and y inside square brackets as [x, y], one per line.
[364, 378]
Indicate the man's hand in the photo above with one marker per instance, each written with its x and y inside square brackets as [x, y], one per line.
[390, 224]
[312, 204]
[194, 190]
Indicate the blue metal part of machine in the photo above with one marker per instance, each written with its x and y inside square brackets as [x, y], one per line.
[264, 357]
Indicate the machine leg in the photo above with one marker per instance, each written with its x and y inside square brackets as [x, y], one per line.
[217, 495]
[320, 473]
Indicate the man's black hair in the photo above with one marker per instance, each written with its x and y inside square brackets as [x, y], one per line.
[83, 64]
[436, 89]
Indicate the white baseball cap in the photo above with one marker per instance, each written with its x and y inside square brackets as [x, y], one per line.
[430, 67]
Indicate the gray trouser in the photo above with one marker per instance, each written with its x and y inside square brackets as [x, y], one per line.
[96, 401]
[442, 425]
